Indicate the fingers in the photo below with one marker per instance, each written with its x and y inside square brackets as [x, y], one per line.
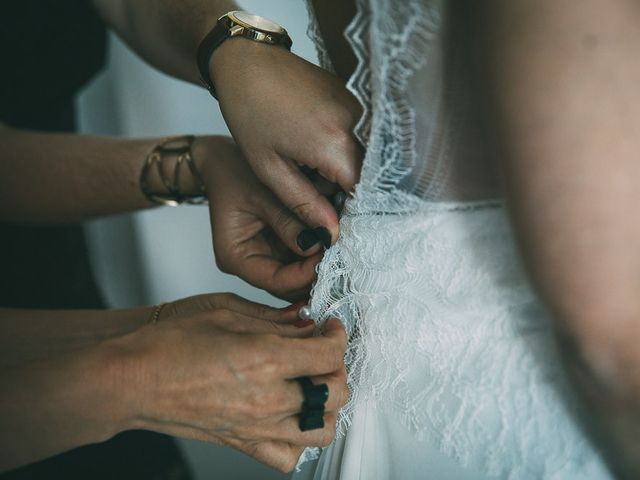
[234, 302]
[279, 455]
[294, 234]
[231, 301]
[299, 195]
[338, 389]
[340, 161]
[209, 303]
[278, 278]
[290, 399]
[319, 355]
[226, 301]
[333, 150]
[288, 430]
[244, 324]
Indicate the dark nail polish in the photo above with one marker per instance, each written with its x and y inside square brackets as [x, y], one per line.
[307, 239]
[323, 234]
[338, 201]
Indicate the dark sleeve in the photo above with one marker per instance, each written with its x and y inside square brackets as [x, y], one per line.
[49, 50]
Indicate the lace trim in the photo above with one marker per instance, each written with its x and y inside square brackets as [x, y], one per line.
[360, 82]
[388, 130]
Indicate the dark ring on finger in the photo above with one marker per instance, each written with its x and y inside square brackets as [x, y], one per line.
[315, 397]
[310, 422]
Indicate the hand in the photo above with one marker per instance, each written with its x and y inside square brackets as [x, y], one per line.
[220, 369]
[255, 236]
[285, 112]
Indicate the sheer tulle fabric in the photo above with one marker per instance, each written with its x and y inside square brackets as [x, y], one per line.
[450, 352]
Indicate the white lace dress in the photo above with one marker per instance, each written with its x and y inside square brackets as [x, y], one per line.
[452, 363]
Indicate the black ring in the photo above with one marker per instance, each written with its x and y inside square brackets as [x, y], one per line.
[315, 397]
[310, 422]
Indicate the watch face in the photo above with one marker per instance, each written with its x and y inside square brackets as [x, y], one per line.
[256, 22]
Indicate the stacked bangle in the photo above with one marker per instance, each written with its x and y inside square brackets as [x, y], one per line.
[180, 147]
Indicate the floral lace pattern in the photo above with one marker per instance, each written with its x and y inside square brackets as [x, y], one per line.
[446, 333]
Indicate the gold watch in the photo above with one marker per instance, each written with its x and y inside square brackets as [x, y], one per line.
[238, 24]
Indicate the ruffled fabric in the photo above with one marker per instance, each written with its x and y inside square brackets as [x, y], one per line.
[448, 339]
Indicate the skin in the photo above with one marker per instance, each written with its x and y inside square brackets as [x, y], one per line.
[564, 104]
[214, 367]
[292, 113]
[102, 372]
[558, 82]
[561, 94]
[255, 234]
[323, 113]
[554, 137]
[98, 176]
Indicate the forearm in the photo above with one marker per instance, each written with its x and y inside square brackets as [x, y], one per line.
[165, 33]
[50, 406]
[63, 382]
[33, 335]
[51, 178]
[58, 178]
[564, 79]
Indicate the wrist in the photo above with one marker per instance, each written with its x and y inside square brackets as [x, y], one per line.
[122, 373]
[169, 175]
[111, 390]
[234, 57]
[234, 25]
[60, 403]
[118, 381]
[207, 154]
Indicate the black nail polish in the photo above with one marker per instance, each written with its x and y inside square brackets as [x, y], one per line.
[338, 201]
[307, 239]
[323, 234]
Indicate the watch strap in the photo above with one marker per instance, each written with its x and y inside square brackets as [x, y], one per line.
[223, 31]
[210, 42]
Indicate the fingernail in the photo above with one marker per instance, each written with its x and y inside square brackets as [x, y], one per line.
[303, 323]
[307, 239]
[338, 201]
[323, 234]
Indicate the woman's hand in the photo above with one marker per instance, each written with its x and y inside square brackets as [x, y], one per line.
[255, 236]
[285, 112]
[221, 369]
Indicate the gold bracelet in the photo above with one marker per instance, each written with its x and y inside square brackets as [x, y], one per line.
[155, 316]
[180, 146]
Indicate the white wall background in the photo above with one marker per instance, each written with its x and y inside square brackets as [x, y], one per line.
[166, 253]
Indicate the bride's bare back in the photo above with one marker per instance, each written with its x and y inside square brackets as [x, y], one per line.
[555, 89]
